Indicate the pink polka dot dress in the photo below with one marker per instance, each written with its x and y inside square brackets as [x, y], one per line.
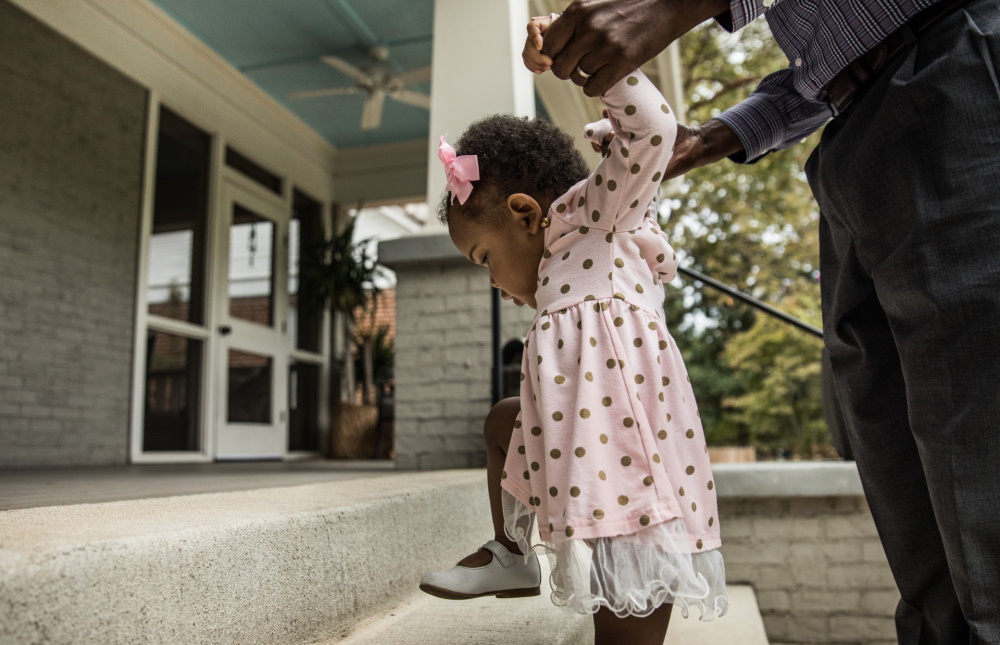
[608, 453]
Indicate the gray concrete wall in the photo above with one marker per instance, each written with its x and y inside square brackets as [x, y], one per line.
[802, 535]
[443, 354]
[71, 151]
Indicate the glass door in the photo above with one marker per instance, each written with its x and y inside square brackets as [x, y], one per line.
[252, 356]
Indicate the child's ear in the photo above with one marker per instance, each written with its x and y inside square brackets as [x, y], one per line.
[525, 212]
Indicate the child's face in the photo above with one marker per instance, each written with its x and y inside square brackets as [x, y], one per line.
[510, 246]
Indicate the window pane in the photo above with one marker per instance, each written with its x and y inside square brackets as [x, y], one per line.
[305, 233]
[175, 282]
[173, 393]
[250, 378]
[303, 397]
[251, 267]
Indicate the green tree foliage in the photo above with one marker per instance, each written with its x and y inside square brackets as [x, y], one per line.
[753, 227]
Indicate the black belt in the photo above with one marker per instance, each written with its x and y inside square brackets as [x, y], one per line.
[841, 90]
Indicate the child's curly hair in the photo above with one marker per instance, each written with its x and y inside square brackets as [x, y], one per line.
[516, 155]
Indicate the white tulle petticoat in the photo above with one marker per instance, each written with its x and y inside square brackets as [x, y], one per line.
[629, 574]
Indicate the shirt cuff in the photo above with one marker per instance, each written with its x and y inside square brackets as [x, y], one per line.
[758, 124]
[740, 14]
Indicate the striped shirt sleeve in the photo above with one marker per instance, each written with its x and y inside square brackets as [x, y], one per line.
[774, 117]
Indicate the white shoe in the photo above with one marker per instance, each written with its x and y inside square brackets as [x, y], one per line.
[507, 576]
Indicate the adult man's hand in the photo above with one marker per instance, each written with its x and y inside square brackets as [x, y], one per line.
[607, 39]
[700, 145]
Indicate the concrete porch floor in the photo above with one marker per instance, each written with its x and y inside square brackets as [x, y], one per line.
[36, 487]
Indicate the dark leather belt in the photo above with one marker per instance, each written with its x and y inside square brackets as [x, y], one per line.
[842, 89]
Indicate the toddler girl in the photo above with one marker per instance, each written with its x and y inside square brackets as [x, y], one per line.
[604, 446]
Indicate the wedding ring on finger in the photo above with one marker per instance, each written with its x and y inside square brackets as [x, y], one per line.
[582, 73]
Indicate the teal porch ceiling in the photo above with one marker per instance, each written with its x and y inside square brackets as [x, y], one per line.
[277, 44]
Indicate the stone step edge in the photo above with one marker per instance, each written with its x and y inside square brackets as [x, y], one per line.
[281, 565]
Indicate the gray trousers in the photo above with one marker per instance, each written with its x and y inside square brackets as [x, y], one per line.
[908, 183]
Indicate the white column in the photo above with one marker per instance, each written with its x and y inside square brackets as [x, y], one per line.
[477, 71]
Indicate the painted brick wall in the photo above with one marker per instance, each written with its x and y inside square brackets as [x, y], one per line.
[71, 144]
[817, 566]
[443, 362]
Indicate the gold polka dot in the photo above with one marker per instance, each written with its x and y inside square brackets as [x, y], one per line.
[624, 152]
[539, 360]
[619, 295]
[598, 179]
[601, 475]
[593, 342]
[694, 506]
[590, 132]
[690, 435]
[604, 306]
[520, 450]
[560, 344]
[711, 521]
[560, 379]
[665, 381]
[503, 475]
[663, 344]
[604, 438]
[553, 491]
[565, 255]
[569, 531]
[634, 204]
[574, 491]
[564, 289]
[635, 168]
[660, 258]
[609, 237]
[652, 326]
[606, 401]
[536, 431]
[517, 423]
[583, 229]
[699, 544]
[681, 491]
[619, 263]
[558, 416]
[644, 520]
[583, 200]
[711, 484]
[648, 480]
[669, 417]
[629, 422]
[656, 140]
[596, 215]
[555, 453]
[656, 457]
[662, 434]
[638, 288]
[589, 376]
[534, 466]
[526, 475]
[561, 208]
[612, 185]
[598, 514]
[637, 342]
[665, 108]
[657, 176]
[639, 378]
[689, 470]
[585, 413]
[630, 110]
[522, 376]
[611, 363]
[632, 80]
[660, 395]
[626, 461]
[588, 263]
[588, 298]
[623, 500]
[580, 451]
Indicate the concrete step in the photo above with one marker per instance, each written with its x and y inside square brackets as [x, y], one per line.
[325, 563]
[275, 566]
[424, 620]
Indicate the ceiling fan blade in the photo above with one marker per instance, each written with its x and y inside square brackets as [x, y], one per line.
[418, 75]
[410, 97]
[371, 113]
[344, 67]
[332, 91]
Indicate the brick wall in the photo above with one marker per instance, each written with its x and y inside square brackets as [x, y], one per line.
[71, 145]
[443, 362]
[817, 566]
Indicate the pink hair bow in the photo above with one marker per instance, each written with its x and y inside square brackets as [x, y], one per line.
[461, 171]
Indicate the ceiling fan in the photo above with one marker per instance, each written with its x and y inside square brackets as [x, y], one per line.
[378, 80]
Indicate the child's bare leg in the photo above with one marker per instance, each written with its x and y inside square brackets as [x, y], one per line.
[496, 432]
[631, 630]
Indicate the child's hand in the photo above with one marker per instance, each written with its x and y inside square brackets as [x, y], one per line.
[532, 54]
